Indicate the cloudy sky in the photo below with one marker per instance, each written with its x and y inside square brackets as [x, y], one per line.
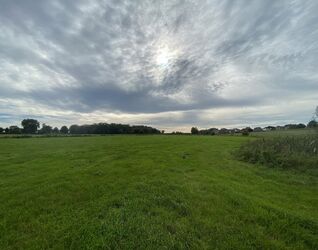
[170, 64]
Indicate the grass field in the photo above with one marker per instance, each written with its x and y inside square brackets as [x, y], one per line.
[149, 192]
[287, 132]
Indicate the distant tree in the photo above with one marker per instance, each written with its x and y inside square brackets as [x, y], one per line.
[258, 129]
[113, 128]
[210, 131]
[248, 129]
[64, 130]
[280, 127]
[194, 131]
[316, 114]
[270, 128]
[30, 126]
[245, 132]
[46, 129]
[213, 131]
[75, 129]
[224, 131]
[14, 130]
[301, 125]
[312, 124]
[294, 126]
[56, 130]
[1, 130]
[6, 130]
[177, 133]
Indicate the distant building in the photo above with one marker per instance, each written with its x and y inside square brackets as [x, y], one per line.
[269, 128]
[236, 130]
[280, 127]
[224, 131]
[258, 129]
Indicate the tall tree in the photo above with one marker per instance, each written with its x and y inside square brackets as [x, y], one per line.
[75, 129]
[14, 130]
[56, 130]
[312, 124]
[64, 130]
[30, 126]
[194, 131]
[1, 130]
[46, 129]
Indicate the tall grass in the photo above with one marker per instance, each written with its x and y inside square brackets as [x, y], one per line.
[289, 152]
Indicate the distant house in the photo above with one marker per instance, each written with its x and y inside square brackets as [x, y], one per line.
[248, 129]
[214, 130]
[269, 128]
[280, 127]
[236, 130]
[224, 131]
[258, 129]
[231, 131]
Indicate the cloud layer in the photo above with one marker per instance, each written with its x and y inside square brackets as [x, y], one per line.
[169, 64]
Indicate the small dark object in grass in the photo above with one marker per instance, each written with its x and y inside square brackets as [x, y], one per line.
[171, 229]
[117, 204]
[98, 173]
[185, 155]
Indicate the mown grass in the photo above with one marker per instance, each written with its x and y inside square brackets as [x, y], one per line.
[149, 192]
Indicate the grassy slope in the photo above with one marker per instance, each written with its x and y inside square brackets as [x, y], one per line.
[149, 192]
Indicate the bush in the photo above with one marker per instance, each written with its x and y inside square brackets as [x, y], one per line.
[297, 152]
[245, 132]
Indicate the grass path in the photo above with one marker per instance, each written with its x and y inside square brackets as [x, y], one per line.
[149, 192]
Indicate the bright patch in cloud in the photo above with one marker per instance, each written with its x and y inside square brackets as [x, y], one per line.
[169, 64]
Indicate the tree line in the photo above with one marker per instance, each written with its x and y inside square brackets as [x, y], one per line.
[312, 124]
[247, 130]
[32, 126]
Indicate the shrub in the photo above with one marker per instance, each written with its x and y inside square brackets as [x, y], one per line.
[297, 152]
[245, 132]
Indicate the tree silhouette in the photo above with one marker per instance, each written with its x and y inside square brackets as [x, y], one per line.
[30, 126]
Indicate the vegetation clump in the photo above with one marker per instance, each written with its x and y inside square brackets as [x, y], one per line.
[290, 152]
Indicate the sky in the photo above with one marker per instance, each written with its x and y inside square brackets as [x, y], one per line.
[171, 64]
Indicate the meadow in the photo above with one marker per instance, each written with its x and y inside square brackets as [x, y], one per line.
[150, 192]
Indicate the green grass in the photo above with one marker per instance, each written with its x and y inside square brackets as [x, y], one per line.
[287, 132]
[297, 152]
[149, 192]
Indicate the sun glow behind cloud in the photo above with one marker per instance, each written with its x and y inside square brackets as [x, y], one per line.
[153, 58]
[165, 57]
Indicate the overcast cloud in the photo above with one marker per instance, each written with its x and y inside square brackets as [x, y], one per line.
[169, 64]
